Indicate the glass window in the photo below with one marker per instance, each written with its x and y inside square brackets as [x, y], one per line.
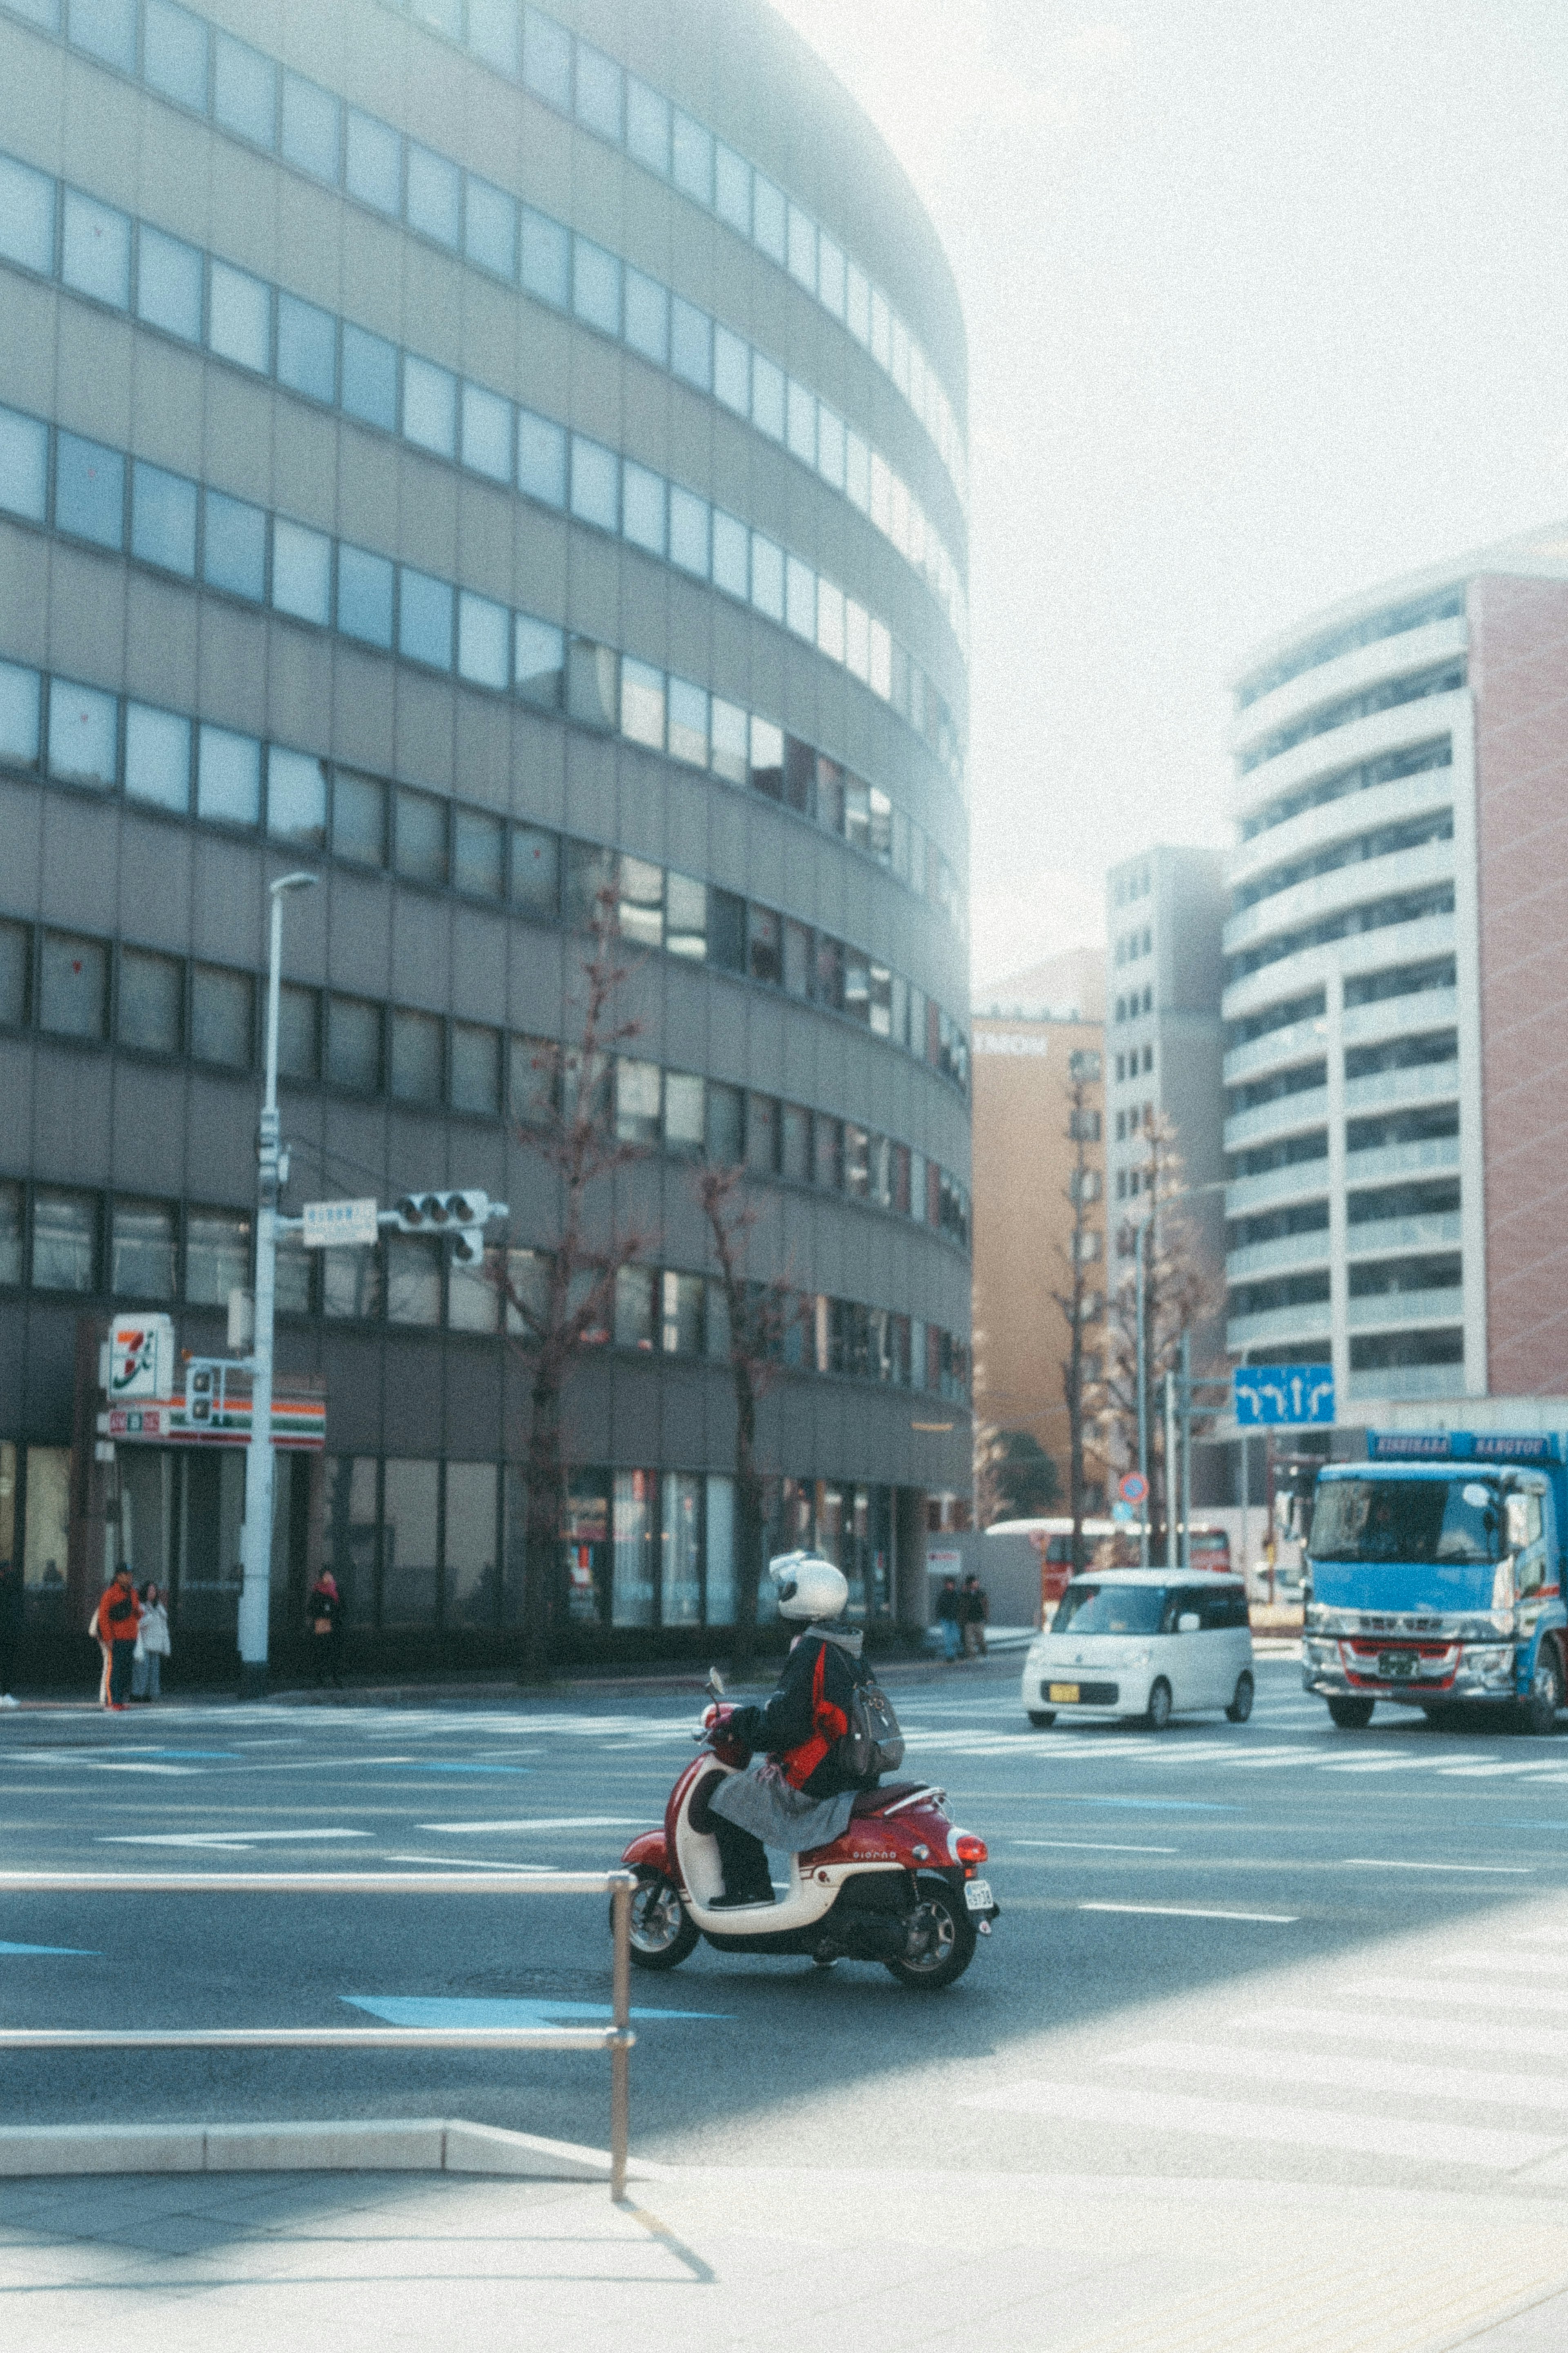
[83, 733]
[234, 548]
[827, 1141]
[364, 596]
[73, 986]
[107, 28]
[26, 218]
[829, 988]
[408, 1528]
[359, 817]
[157, 757]
[169, 284]
[373, 164]
[731, 555]
[592, 696]
[642, 510]
[418, 1058]
[244, 93]
[90, 491]
[732, 371]
[596, 483]
[302, 573]
[239, 322]
[353, 1051]
[763, 1133]
[95, 250]
[547, 60]
[732, 188]
[802, 243]
[228, 776]
[726, 930]
[546, 259]
[310, 128]
[222, 1024]
[767, 758]
[640, 897]
[692, 344]
[767, 577]
[217, 1256]
[730, 737]
[423, 618]
[473, 1302]
[762, 946]
[800, 599]
[856, 472]
[141, 1250]
[421, 849]
[429, 406]
[684, 1125]
[298, 1031]
[599, 92]
[350, 1286]
[689, 531]
[687, 722]
[489, 229]
[797, 959]
[435, 202]
[830, 287]
[532, 1070]
[536, 870]
[830, 620]
[441, 16]
[725, 1122]
[830, 447]
[635, 1293]
[163, 519]
[637, 1086]
[23, 465]
[647, 127]
[800, 425]
[297, 797]
[595, 286]
[18, 716]
[680, 1580]
[632, 1573]
[641, 704]
[495, 34]
[483, 629]
[692, 160]
[768, 218]
[539, 655]
[370, 378]
[476, 1068]
[794, 1144]
[487, 433]
[541, 459]
[477, 846]
[65, 1241]
[307, 349]
[856, 639]
[472, 1577]
[767, 398]
[13, 958]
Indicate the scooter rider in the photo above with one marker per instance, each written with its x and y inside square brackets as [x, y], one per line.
[793, 1795]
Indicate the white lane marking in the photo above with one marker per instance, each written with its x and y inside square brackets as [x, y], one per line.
[1452, 1992]
[1500, 2032]
[227, 1838]
[1472, 1870]
[460, 1862]
[1268, 1759]
[1353, 2072]
[1097, 1846]
[1483, 1772]
[1422, 2142]
[1191, 1912]
[30, 1757]
[544, 1822]
[1379, 1765]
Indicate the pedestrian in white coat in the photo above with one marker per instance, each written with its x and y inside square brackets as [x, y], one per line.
[151, 1644]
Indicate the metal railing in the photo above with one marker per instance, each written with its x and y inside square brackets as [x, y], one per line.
[616, 2037]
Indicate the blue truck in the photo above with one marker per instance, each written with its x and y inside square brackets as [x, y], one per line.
[1436, 1578]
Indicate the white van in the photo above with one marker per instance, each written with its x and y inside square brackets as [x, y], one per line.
[1142, 1642]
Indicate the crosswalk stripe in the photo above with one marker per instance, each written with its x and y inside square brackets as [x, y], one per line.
[1453, 1993]
[1353, 2073]
[1500, 2032]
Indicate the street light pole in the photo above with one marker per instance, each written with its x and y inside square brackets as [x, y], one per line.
[255, 1536]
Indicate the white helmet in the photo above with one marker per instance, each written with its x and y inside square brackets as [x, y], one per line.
[808, 1587]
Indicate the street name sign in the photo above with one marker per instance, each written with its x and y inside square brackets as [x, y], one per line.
[332, 1225]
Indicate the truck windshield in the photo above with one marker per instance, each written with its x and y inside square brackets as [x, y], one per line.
[1110, 1609]
[1414, 1519]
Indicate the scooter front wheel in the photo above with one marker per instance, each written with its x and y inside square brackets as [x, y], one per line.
[661, 1930]
[949, 1940]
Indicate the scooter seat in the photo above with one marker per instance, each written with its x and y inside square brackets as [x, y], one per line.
[877, 1801]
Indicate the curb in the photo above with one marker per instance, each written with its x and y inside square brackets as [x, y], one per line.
[393, 2145]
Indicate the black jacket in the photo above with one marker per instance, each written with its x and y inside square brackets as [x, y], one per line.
[950, 1606]
[788, 1727]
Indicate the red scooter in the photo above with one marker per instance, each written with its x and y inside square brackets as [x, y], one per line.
[901, 1886]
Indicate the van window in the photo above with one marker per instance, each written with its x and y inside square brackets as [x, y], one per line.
[1223, 1608]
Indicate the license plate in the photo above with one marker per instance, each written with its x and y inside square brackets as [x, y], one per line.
[1064, 1695]
[1396, 1664]
[977, 1895]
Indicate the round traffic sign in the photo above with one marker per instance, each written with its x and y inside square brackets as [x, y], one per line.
[1132, 1487]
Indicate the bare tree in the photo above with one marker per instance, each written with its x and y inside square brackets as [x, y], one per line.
[1175, 1297]
[1081, 1386]
[760, 1316]
[561, 1300]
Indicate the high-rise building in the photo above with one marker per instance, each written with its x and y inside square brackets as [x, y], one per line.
[1394, 984]
[486, 457]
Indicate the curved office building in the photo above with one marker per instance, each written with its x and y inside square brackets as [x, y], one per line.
[484, 458]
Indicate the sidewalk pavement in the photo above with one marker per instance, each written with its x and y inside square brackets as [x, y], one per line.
[764, 2261]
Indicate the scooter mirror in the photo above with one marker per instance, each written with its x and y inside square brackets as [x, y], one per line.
[715, 1683]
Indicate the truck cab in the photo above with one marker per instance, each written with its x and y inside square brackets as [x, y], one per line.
[1436, 1578]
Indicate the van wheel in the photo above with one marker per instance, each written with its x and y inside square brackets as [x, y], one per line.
[662, 1931]
[1042, 1718]
[1545, 1693]
[1159, 1710]
[1241, 1707]
[1352, 1715]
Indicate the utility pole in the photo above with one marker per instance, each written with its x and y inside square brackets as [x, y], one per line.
[1139, 1231]
[1186, 1447]
[1173, 1498]
[255, 1536]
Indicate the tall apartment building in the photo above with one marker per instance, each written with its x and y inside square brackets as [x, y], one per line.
[1397, 976]
[488, 456]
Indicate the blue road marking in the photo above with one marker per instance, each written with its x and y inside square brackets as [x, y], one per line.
[71, 1952]
[1155, 1805]
[431, 2010]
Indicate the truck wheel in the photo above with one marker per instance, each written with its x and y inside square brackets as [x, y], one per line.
[1042, 1718]
[1545, 1693]
[1352, 1715]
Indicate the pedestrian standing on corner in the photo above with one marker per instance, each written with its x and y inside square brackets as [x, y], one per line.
[950, 1617]
[119, 1615]
[151, 1644]
[10, 1629]
[977, 1610]
[324, 1623]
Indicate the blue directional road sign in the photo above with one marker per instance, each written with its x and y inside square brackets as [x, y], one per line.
[1283, 1393]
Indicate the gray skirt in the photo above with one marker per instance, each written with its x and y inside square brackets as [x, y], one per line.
[761, 1801]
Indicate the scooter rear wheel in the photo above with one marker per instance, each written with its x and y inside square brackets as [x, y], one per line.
[951, 1940]
[662, 1933]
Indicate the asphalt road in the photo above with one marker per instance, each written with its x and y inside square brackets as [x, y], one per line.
[1274, 1951]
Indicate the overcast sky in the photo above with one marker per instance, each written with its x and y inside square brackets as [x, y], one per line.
[1266, 304]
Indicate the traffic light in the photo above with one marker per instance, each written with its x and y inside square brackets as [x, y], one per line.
[459, 1216]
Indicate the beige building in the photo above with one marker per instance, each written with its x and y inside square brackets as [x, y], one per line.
[1027, 1030]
